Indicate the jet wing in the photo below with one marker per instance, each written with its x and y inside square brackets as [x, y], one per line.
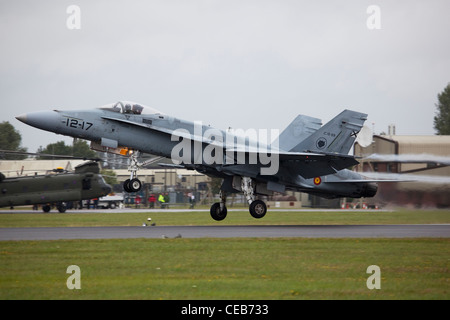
[306, 164]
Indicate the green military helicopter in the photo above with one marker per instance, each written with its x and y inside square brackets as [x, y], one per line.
[56, 188]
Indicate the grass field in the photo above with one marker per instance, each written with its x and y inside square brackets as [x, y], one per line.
[208, 268]
[317, 217]
[226, 269]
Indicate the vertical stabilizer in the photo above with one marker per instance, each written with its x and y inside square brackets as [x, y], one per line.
[336, 136]
[298, 130]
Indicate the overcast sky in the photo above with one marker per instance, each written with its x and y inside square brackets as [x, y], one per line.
[241, 64]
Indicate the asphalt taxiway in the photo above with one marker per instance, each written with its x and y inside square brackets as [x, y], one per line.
[275, 231]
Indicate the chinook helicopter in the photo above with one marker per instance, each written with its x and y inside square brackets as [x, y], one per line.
[56, 188]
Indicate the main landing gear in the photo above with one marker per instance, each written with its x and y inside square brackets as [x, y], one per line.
[257, 208]
[219, 210]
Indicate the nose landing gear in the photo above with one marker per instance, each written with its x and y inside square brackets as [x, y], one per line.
[134, 184]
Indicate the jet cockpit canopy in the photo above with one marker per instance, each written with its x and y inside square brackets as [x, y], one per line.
[128, 107]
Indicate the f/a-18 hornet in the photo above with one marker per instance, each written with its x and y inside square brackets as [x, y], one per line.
[306, 156]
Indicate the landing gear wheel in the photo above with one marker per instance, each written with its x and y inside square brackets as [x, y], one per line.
[126, 185]
[135, 185]
[62, 207]
[218, 214]
[258, 209]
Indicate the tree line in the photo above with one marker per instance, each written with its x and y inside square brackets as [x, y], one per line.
[11, 140]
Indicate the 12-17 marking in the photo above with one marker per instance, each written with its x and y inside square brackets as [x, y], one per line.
[78, 124]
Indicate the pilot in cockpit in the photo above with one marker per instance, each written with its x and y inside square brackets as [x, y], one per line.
[130, 108]
[137, 109]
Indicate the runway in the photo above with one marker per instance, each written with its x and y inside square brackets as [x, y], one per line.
[271, 231]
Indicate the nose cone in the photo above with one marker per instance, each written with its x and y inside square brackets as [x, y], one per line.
[45, 120]
[22, 118]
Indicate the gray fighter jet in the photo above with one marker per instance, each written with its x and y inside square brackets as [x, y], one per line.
[306, 156]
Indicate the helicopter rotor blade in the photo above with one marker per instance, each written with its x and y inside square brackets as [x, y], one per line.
[48, 155]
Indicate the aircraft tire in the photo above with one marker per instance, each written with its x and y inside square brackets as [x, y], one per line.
[135, 185]
[61, 207]
[126, 185]
[258, 209]
[46, 208]
[218, 214]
